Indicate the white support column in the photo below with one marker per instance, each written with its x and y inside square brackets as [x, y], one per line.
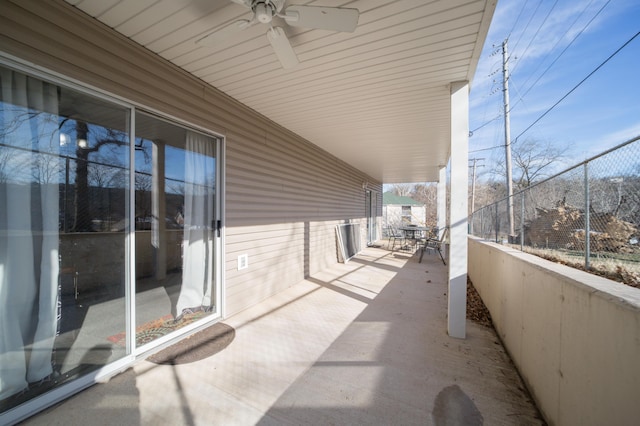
[457, 307]
[441, 200]
[159, 212]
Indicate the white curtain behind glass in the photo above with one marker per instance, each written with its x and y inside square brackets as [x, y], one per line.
[197, 273]
[29, 231]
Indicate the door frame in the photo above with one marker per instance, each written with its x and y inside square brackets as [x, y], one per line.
[371, 210]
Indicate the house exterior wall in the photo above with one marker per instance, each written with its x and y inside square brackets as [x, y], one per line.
[574, 336]
[393, 215]
[283, 195]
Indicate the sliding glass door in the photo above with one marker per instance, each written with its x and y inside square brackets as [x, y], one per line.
[64, 174]
[108, 234]
[176, 227]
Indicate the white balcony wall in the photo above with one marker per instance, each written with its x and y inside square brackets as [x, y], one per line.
[574, 336]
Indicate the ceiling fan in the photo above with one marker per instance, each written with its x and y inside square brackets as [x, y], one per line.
[315, 17]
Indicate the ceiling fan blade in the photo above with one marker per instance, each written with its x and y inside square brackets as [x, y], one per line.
[224, 33]
[282, 47]
[322, 18]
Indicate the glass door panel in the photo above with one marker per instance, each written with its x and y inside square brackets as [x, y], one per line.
[371, 207]
[64, 172]
[175, 215]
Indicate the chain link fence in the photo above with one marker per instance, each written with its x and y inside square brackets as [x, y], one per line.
[587, 217]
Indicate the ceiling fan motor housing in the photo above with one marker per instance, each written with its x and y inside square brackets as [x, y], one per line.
[265, 10]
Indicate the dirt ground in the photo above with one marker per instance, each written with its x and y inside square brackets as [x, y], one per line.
[476, 310]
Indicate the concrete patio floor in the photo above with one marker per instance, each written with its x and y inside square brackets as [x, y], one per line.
[360, 343]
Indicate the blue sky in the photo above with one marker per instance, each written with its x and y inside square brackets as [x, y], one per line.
[601, 113]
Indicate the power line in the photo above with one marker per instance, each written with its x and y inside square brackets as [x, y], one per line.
[497, 51]
[485, 124]
[486, 149]
[566, 47]
[520, 97]
[560, 39]
[526, 26]
[536, 34]
[518, 18]
[577, 85]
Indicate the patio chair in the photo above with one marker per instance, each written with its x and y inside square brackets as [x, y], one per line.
[394, 235]
[435, 244]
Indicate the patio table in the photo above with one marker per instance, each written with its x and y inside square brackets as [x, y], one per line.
[413, 233]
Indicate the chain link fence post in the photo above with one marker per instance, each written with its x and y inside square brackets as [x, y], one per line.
[522, 220]
[587, 219]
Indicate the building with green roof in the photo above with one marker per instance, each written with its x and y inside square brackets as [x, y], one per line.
[398, 210]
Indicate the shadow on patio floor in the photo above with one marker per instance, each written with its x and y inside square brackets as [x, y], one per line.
[359, 343]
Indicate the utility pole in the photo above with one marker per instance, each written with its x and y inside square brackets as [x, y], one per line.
[507, 136]
[473, 191]
[473, 182]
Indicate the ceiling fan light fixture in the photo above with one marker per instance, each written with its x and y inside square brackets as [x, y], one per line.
[263, 12]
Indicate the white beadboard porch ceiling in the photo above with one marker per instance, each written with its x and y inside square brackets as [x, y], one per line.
[377, 98]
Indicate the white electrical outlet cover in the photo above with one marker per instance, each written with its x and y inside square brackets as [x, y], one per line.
[243, 261]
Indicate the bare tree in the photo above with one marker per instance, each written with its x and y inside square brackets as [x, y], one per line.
[143, 184]
[45, 168]
[488, 192]
[402, 189]
[533, 160]
[110, 138]
[5, 171]
[427, 193]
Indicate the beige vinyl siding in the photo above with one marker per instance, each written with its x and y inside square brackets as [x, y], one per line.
[283, 196]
